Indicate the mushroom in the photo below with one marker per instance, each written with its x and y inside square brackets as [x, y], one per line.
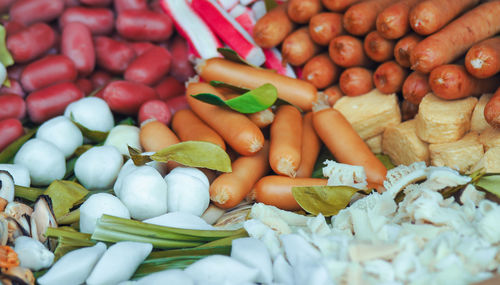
[14, 230]
[42, 218]
[18, 211]
[4, 230]
[6, 186]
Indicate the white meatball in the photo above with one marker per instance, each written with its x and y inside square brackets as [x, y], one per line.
[98, 167]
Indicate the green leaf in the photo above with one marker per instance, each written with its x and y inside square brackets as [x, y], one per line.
[196, 154]
[129, 121]
[324, 154]
[5, 56]
[69, 218]
[270, 4]
[490, 183]
[82, 149]
[28, 193]
[234, 88]
[10, 151]
[96, 136]
[386, 161]
[65, 195]
[252, 101]
[327, 200]
[138, 158]
[6, 83]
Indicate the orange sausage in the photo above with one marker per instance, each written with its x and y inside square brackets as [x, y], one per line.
[452, 81]
[263, 118]
[286, 141]
[298, 47]
[360, 18]
[415, 87]
[190, 128]
[356, 81]
[295, 91]
[229, 189]
[321, 71]
[393, 21]
[483, 59]
[492, 110]
[310, 147]
[333, 93]
[389, 77]
[272, 28]
[429, 16]
[404, 47]
[452, 41]
[347, 51]
[155, 135]
[277, 190]
[301, 11]
[338, 5]
[235, 128]
[323, 27]
[347, 146]
[377, 47]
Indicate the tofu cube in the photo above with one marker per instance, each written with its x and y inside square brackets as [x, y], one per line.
[375, 144]
[459, 155]
[490, 161]
[490, 137]
[478, 122]
[370, 113]
[441, 121]
[402, 144]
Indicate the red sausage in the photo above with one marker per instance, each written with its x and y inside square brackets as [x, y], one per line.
[122, 5]
[483, 58]
[47, 71]
[5, 5]
[100, 21]
[451, 81]
[31, 42]
[144, 25]
[12, 27]
[404, 47]
[356, 81]
[169, 87]
[15, 71]
[155, 109]
[127, 97]
[10, 130]
[113, 55]
[377, 47]
[180, 68]
[389, 77]
[149, 67]
[100, 79]
[32, 11]
[15, 88]
[13, 106]
[77, 45]
[392, 22]
[360, 18]
[177, 103]
[141, 47]
[51, 101]
[347, 51]
[85, 85]
[96, 2]
[415, 87]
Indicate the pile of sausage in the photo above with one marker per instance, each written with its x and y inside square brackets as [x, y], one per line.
[125, 50]
[411, 47]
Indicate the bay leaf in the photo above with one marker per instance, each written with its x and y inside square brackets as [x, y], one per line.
[137, 158]
[489, 183]
[5, 57]
[270, 4]
[196, 154]
[10, 151]
[253, 101]
[327, 200]
[93, 135]
[65, 195]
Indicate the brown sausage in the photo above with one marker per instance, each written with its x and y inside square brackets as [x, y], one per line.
[338, 5]
[389, 77]
[404, 47]
[347, 51]
[408, 110]
[415, 87]
[360, 18]
[492, 110]
[272, 28]
[301, 11]
[356, 81]
[483, 59]
[298, 47]
[323, 27]
[377, 47]
[321, 71]
[393, 21]
[333, 93]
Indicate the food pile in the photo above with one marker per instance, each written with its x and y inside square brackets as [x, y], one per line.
[243, 141]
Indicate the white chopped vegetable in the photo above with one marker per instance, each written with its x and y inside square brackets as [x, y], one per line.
[340, 174]
[97, 205]
[282, 271]
[98, 167]
[180, 220]
[172, 276]
[122, 136]
[253, 253]
[19, 172]
[144, 193]
[61, 132]
[45, 161]
[220, 269]
[129, 166]
[119, 262]
[74, 267]
[32, 254]
[188, 190]
[92, 113]
[3, 74]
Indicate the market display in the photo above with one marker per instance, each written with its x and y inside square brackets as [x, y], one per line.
[249, 142]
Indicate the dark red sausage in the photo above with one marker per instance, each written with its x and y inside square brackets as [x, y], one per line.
[122, 5]
[15, 88]
[10, 130]
[13, 106]
[415, 87]
[149, 67]
[51, 101]
[177, 103]
[141, 47]
[77, 45]
[169, 87]
[31, 42]
[99, 3]
[180, 68]
[100, 21]
[144, 25]
[100, 78]
[85, 85]
[5, 5]
[32, 11]
[113, 55]
[47, 71]
[155, 109]
[126, 97]
[12, 27]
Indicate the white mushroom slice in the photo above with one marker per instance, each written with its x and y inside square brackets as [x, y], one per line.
[6, 186]
[470, 193]
[441, 177]
[43, 217]
[16, 210]
[401, 176]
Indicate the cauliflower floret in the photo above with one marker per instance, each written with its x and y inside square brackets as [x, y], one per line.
[340, 174]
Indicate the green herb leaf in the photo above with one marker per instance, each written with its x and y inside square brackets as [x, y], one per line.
[69, 218]
[327, 200]
[65, 195]
[5, 56]
[28, 193]
[9, 152]
[324, 154]
[129, 121]
[252, 101]
[270, 4]
[137, 158]
[196, 154]
[386, 161]
[490, 183]
[96, 136]
[234, 88]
